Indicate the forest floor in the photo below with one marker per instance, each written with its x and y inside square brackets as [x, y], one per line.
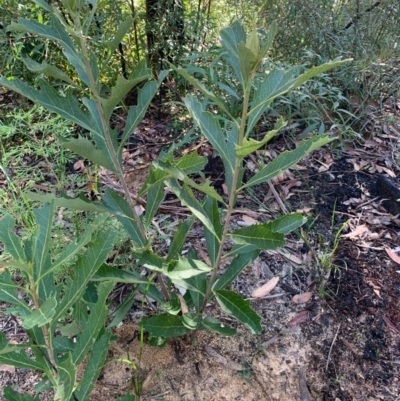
[339, 342]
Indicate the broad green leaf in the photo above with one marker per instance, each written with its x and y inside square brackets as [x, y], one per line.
[188, 199]
[86, 266]
[66, 379]
[122, 30]
[136, 113]
[109, 273]
[122, 310]
[40, 317]
[44, 219]
[287, 159]
[232, 36]
[172, 307]
[234, 305]
[240, 249]
[191, 320]
[11, 395]
[179, 238]
[185, 268]
[251, 145]
[44, 5]
[212, 324]
[95, 323]
[175, 172]
[259, 235]
[20, 359]
[287, 223]
[85, 148]
[55, 32]
[46, 69]
[9, 239]
[197, 286]
[94, 365]
[66, 106]
[234, 269]
[198, 85]
[164, 326]
[124, 214]
[154, 199]
[66, 201]
[213, 242]
[247, 63]
[211, 129]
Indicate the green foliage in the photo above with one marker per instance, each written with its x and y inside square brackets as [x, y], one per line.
[227, 126]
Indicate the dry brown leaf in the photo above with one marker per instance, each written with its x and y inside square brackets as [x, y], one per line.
[357, 232]
[393, 255]
[291, 257]
[266, 288]
[302, 298]
[299, 318]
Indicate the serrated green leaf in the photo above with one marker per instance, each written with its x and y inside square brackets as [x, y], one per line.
[93, 368]
[234, 305]
[172, 307]
[109, 273]
[234, 269]
[258, 235]
[40, 317]
[185, 268]
[211, 129]
[66, 201]
[154, 199]
[177, 173]
[20, 359]
[124, 214]
[164, 326]
[85, 148]
[287, 223]
[213, 242]
[66, 379]
[251, 145]
[47, 70]
[187, 198]
[11, 395]
[122, 30]
[198, 85]
[155, 178]
[44, 219]
[67, 107]
[9, 239]
[55, 32]
[287, 159]
[212, 324]
[279, 82]
[150, 260]
[95, 323]
[86, 266]
[136, 113]
[121, 89]
[179, 238]
[6, 347]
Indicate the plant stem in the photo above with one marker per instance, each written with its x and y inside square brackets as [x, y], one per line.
[232, 199]
[107, 136]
